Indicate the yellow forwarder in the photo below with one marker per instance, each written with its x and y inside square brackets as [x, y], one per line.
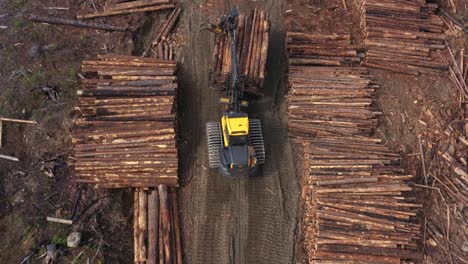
[235, 146]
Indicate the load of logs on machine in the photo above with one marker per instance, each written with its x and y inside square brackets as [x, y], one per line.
[401, 37]
[353, 187]
[253, 34]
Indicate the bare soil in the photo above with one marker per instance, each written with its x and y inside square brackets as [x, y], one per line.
[225, 220]
[33, 56]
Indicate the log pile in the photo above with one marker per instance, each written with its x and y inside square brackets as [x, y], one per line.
[156, 227]
[125, 136]
[253, 34]
[129, 7]
[330, 101]
[355, 203]
[163, 45]
[400, 36]
[354, 190]
[320, 49]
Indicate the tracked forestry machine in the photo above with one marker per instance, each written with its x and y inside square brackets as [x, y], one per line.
[235, 145]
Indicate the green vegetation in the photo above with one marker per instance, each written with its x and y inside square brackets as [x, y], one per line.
[33, 79]
[15, 4]
[59, 240]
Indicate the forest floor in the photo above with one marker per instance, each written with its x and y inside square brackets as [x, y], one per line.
[223, 221]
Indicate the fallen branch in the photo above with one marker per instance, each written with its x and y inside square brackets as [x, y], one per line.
[59, 220]
[456, 22]
[75, 23]
[18, 120]
[8, 158]
[126, 11]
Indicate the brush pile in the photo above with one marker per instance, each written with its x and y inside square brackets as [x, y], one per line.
[125, 136]
[400, 36]
[156, 227]
[444, 162]
[163, 44]
[353, 188]
[253, 34]
[113, 8]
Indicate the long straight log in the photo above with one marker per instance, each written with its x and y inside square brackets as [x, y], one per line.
[136, 226]
[257, 46]
[75, 23]
[356, 257]
[171, 23]
[142, 224]
[246, 42]
[172, 227]
[391, 252]
[165, 221]
[175, 209]
[135, 4]
[264, 51]
[253, 51]
[161, 233]
[153, 227]
[126, 11]
[251, 42]
[240, 39]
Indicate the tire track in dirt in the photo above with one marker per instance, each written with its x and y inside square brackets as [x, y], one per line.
[234, 221]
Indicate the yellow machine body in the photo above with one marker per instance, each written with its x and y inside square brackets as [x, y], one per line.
[234, 126]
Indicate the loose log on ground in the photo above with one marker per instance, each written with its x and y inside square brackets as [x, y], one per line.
[75, 23]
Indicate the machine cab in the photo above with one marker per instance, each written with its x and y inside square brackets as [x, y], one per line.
[235, 127]
[237, 156]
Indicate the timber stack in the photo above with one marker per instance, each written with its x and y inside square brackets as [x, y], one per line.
[253, 34]
[113, 8]
[355, 203]
[400, 36]
[330, 101]
[125, 136]
[353, 187]
[320, 49]
[156, 226]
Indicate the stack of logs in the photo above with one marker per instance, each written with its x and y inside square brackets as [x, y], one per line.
[156, 227]
[113, 8]
[328, 101]
[125, 136]
[354, 203]
[253, 34]
[320, 49]
[401, 35]
[355, 207]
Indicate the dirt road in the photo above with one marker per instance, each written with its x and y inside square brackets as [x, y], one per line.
[234, 221]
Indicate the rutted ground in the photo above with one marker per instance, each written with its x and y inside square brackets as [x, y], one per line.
[234, 221]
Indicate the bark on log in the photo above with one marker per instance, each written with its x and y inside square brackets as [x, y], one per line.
[165, 222]
[142, 225]
[153, 227]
